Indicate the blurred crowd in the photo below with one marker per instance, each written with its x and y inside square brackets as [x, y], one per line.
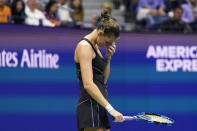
[49, 13]
[146, 15]
[165, 15]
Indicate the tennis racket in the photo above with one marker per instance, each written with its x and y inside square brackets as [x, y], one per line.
[151, 118]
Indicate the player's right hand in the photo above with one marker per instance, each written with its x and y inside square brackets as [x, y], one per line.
[118, 117]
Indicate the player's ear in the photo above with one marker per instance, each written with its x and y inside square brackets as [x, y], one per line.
[100, 32]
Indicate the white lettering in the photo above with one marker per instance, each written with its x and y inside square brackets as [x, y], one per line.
[160, 65]
[162, 52]
[8, 59]
[181, 53]
[25, 59]
[172, 52]
[187, 65]
[177, 64]
[194, 65]
[40, 59]
[151, 52]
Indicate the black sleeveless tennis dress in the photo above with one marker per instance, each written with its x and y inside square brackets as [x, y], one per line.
[89, 112]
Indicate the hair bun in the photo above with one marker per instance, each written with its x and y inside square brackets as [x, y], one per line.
[105, 14]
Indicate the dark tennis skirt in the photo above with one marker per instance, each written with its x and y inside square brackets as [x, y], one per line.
[91, 114]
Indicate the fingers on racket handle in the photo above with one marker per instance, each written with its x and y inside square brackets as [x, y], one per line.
[129, 118]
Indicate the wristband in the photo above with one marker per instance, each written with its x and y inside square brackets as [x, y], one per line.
[109, 108]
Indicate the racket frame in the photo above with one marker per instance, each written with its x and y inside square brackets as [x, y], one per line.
[137, 117]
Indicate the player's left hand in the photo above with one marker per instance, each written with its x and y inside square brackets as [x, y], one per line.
[110, 50]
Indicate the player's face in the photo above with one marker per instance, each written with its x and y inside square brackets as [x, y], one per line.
[105, 40]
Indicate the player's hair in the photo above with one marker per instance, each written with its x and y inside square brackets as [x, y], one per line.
[108, 6]
[108, 25]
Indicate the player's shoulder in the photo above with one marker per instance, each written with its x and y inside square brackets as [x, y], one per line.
[84, 44]
[84, 49]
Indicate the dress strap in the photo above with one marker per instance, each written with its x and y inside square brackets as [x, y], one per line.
[90, 44]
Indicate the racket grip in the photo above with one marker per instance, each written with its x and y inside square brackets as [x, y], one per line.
[129, 118]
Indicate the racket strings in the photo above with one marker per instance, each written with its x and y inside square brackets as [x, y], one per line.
[155, 118]
[144, 117]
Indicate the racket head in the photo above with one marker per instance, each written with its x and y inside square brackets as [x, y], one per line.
[155, 119]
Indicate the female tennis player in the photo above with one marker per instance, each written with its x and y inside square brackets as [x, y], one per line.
[93, 71]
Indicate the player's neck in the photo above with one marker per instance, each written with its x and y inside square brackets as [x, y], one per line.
[93, 37]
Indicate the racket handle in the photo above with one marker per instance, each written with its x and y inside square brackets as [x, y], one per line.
[129, 118]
